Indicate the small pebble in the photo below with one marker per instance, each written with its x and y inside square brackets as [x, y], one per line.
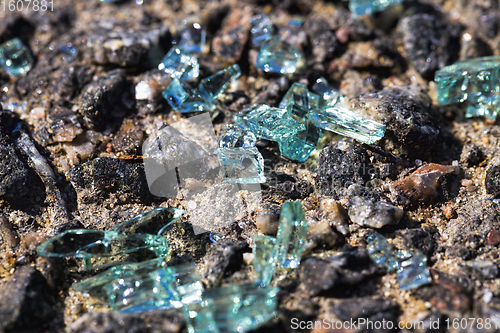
[268, 220]
[448, 212]
[494, 237]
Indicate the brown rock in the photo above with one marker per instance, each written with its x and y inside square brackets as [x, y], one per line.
[229, 43]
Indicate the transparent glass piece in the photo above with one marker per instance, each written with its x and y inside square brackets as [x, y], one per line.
[99, 248]
[193, 38]
[381, 252]
[298, 100]
[265, 254]
[342, 121]
[69, 53]
[235, 137]
[485, 107]
[268, 123]
[183, 98]
[365, 7]
[214, 85]
[153, 222]
[262, 29]
[180, 65]
[93, 285]
[278, 56]
[413, 272]
[470, 80]
[15, 57]
[238, 308]
[199, 319]
[241, 165]
[292, 233]
[329, 95]
[296, 148]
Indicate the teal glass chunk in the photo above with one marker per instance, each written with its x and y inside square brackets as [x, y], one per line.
[99, 248]
[296, 148]
[214, 85]
[235, 137]
[180, 65]
[413, 272]
[241, 165]
[471, 80]
[262, 29]
[153, 222]
[365, 7]
[265, 253]
[187, 284]
[15, 58]
[193, 38]
[93, 285]
[298, 100]
[329, 95]
[183, 98]
[199, 318]
[292, 231]
[342, 121]
[485, 107]
[278, 56]
[234, 308]
[268, 123]
[381, 252]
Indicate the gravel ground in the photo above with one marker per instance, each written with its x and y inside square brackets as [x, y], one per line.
[69, 131]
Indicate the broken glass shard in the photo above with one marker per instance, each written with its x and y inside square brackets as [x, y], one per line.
[413, 272]
[485, 107]
[296, 148]
[298, 100]
[241, 165]
[193, 38]
[214, 85]
[15, 58]
[468, 80]
[365, 7]
[180, 65]
[235, 137]
[268, 123]
[278, 56]
[292, 231]
[381, 252]
[98, 248]
[261, 29]
[233, 308]
[93, 285]
[265, 258]
[183, 98]
[153, 222]
[329, 95]
[342, 121]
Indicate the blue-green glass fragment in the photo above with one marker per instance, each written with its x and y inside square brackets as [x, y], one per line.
[153, 222]
[488, 107]
[98, 248]
[241, 165]
[342, 121]
[296, 148]
[93, 286]
[214, 85]
[235, 137]
[365, 7]
[292, 231]
[268, 123]
[329, 95]
[265, 254]
[233, 309]
[278, 56]
[411, 267]
[468, 80]
[193, 38]
[15, 58]
[262, 28]
[183, 98]
[241, 162]
[413, 272]
[180, 64]
[298, 100]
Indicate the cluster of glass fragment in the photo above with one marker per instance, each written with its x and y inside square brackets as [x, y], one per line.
[144, 283]
[240, 160]
[473, 82]
[275, 54]
[411, 267]
[302, 116]
[365, 7]
[15, 58]
[286, 249]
